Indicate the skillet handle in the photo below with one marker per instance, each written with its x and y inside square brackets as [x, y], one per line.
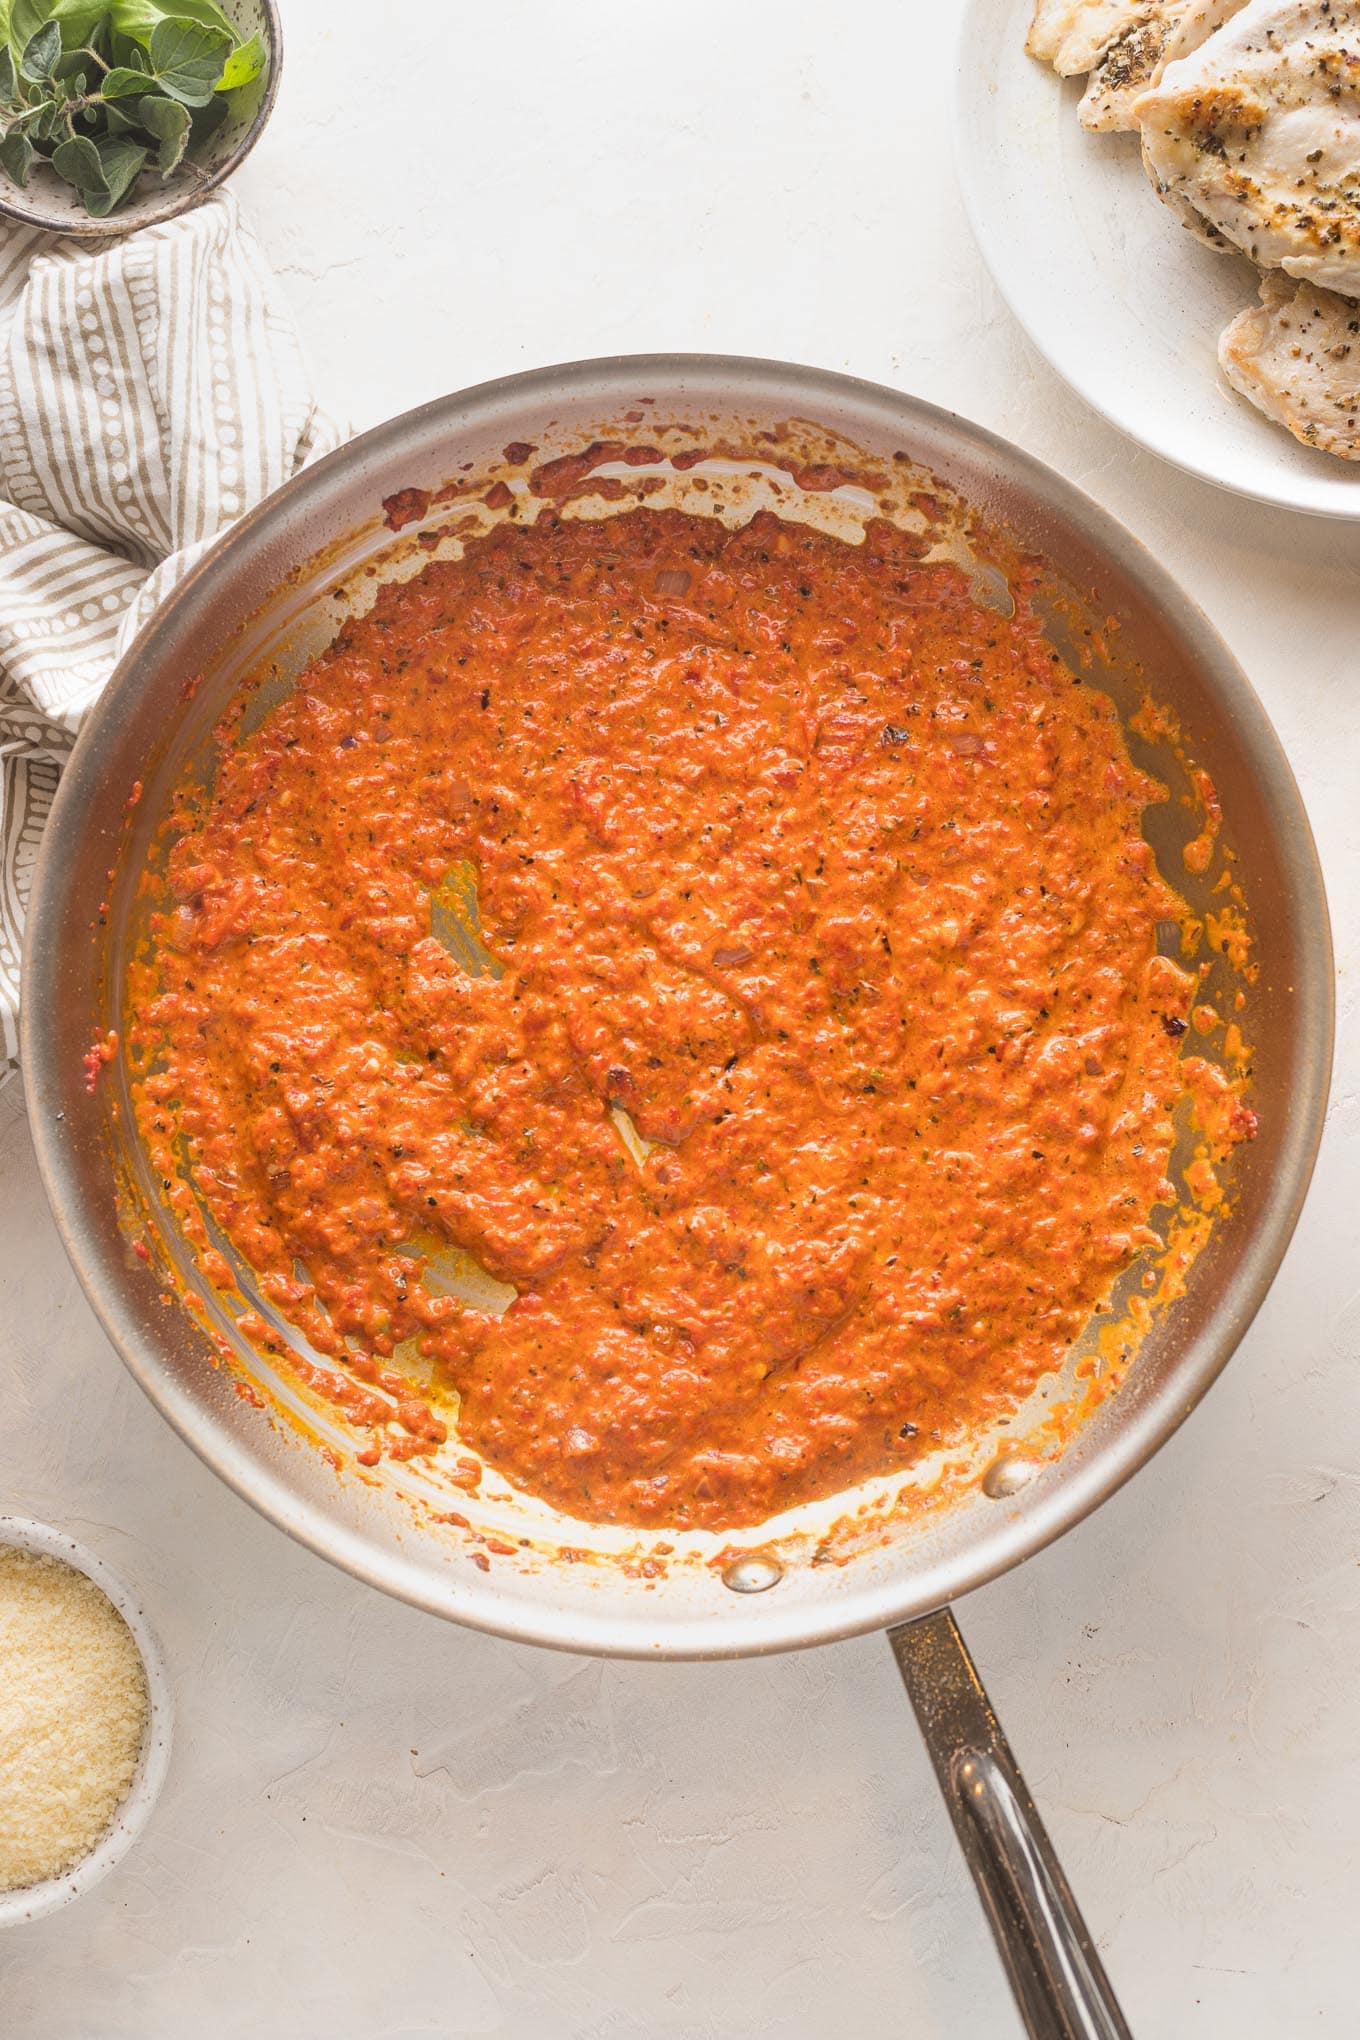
[1060, 1986]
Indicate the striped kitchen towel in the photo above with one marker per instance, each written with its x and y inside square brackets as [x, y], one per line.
[151, 389]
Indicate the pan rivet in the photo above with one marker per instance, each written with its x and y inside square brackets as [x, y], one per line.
[753, 1573]
[1007, 1474]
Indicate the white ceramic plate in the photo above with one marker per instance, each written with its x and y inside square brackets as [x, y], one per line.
[1124, 303]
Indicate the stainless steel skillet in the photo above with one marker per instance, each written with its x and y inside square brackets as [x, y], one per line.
[275, 590]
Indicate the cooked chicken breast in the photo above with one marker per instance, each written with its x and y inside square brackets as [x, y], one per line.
[1135, 59]
[1196, 224]
[1196, 23]
[1296, 356]
[1259, 131]
[1070, 34]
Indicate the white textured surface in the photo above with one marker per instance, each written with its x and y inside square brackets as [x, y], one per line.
[377, 1828]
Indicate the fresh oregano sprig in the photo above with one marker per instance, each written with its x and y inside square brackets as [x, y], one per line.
[104, 91]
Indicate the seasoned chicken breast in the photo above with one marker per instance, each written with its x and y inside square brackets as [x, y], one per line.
[1195, 24]
[1070, 34]
[1258, 130]
[1135, 58]
[1296, 356]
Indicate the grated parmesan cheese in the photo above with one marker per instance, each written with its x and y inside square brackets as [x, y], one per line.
[73, 1711]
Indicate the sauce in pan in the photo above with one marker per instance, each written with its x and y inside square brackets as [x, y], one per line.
[741, 945]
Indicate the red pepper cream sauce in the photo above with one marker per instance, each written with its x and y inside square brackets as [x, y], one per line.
[739, 945]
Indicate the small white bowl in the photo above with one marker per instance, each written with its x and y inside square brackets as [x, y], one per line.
[31, 1901]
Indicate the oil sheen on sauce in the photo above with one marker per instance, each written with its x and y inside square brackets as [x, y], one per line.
[806, 1073]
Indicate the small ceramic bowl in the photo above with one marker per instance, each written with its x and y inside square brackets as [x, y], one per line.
[31, 1901]
[49, 203]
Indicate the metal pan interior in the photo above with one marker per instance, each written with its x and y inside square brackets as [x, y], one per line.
[274, 592]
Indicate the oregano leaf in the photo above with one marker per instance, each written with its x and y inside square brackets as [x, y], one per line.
[74, 19]
[77, 160]
[186, 59]
[122, 162]
[123, 83]
[168, 121]
[30, 118]
[243, 65]
[16, 158]
[41, 54]
[139, 18]
[9, 77]
[207, 120]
